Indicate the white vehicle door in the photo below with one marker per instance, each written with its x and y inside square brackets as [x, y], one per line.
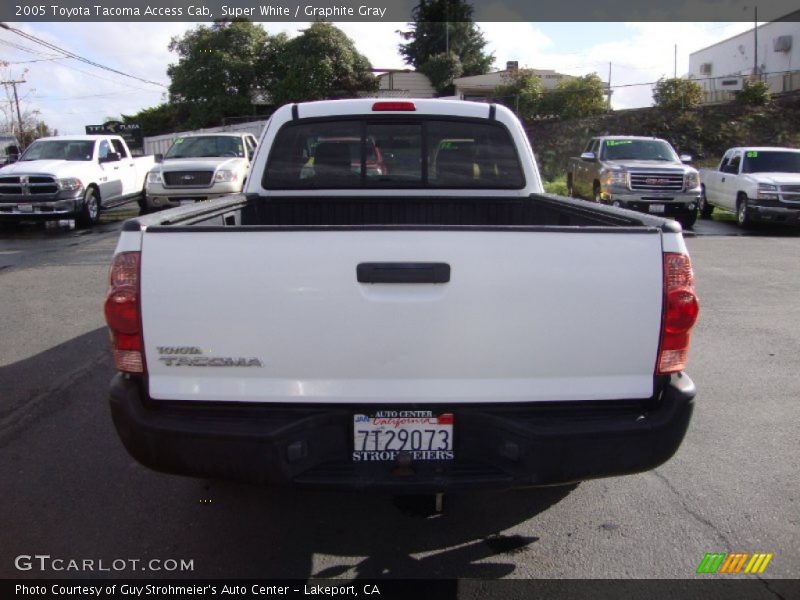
[712, 180]
[729, 181]
[127, 169]
[110, 179]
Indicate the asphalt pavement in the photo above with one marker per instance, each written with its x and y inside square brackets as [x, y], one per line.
[71, 491]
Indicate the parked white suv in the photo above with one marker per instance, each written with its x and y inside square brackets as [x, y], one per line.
[200, 167]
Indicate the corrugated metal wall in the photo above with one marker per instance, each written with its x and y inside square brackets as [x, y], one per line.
[159, 144]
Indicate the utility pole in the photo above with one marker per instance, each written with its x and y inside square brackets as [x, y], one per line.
[755, 42]
[675, 73]
[608, 100]
[16, 101]
[447, 28]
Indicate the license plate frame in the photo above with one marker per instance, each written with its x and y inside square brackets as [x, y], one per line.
[385, 435]
[656, 208]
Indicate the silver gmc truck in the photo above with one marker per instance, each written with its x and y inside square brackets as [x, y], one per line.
[640, 173]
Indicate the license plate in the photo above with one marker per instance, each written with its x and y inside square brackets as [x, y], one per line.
[656, 208]
[420, 434]
[184, 202]
[27, 208]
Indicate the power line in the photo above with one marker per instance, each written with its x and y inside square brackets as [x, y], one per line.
[23, 48]
[75, 56]
[115, 82]
[66, 66]
[25, 62]
[88, 96]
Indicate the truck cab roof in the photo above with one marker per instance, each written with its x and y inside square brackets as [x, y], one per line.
[628, 137]
[762, 149]
[365, 106]
[79, 138]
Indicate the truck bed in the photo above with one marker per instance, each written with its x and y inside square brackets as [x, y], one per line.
[537, 210]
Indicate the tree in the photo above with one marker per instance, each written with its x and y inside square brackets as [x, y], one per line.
[575, 97]
[33, 129]
[677, 93]
[754, 93]
[443, 26]
[442, 69]
[320, 63]
[522, 92]
[164, 118]
[218, 69]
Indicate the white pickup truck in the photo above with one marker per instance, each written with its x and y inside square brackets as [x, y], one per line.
[71, 177]
[435, 324]
[200, 167]
[759, 184]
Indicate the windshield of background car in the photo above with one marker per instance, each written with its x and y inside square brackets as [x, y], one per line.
[638, 150]
[759, 161]
[59, 150]
[393, 153]
[206, 146]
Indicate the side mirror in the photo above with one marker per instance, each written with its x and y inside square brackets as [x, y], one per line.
[159, 157]
[685, 158]
[588, 156]
[12, 151]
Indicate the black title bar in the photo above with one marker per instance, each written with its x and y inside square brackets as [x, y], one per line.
[395, 10]
[697, 587]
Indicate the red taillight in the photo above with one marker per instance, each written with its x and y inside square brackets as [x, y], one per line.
[122, 310]
[397, 106]
[122, 313]
[679, 315]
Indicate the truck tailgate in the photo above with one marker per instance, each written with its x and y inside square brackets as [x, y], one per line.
[280, 316]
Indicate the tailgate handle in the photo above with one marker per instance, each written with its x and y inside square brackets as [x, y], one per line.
[403, 272]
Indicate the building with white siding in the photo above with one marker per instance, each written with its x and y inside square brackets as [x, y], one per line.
[405, 84]
[723, 67]
[481, 87]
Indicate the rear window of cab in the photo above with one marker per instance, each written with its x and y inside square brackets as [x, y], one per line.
[393, 153]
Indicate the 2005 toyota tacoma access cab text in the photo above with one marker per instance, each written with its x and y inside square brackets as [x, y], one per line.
[435, 324]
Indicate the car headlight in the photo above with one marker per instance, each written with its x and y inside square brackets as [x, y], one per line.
[767, 191]
[691, 180]
[154, 177]
[69, 184]
[225, 176]
[616, 178]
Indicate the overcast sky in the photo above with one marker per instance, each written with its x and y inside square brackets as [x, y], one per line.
[69, 94]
